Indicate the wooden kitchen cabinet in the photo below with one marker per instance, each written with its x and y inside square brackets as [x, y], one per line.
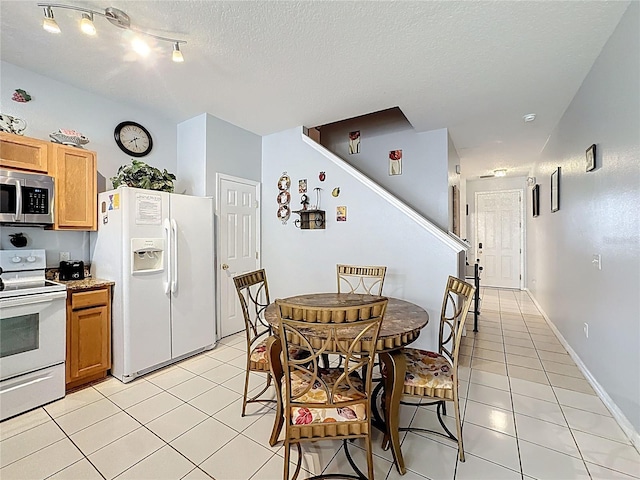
[23, 153]
[88, 336]
[76, 197]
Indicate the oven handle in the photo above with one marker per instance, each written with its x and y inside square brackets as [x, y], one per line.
[39, 379]
[18, 213]
[32, 299]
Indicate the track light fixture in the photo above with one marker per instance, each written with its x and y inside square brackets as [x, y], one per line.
[49, 23]
[115, 16]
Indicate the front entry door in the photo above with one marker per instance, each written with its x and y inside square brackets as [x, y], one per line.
[239, 243]
[499, 237]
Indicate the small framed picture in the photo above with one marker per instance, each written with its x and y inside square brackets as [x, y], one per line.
[591, 158]
[535, 200]
[555, 190]
[395, 162]
[341, 214]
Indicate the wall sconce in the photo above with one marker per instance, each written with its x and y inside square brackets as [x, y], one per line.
[115, 16]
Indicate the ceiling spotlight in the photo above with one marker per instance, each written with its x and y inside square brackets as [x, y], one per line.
[117, 18]
[49, 23]
[140, 47]
[86, 24]
[529, 117]
[177, 54]
[500, 173]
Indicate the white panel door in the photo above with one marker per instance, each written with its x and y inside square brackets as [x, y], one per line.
[192, 291]
[238, 212]
[499, 237]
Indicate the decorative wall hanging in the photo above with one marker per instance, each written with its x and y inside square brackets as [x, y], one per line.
[535, 200]
[20, 96]
[322, 176]
[11, 124]
[555, 190]
[591, 158]
[310, 219]
[317, 190]
[335, 192]
[395, 162]
[354, 142]
[284, 182]
[341, 214]
[283, 198]
[302, 186]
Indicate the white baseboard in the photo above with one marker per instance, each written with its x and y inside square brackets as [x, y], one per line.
[617, 414]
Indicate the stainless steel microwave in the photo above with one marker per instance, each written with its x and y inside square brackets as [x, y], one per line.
[26, 198]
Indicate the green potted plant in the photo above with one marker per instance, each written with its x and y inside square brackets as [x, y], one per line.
[141, 175]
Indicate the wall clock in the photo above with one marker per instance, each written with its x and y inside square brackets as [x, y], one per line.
[133, 139]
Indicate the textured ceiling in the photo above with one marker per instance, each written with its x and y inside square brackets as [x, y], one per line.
[473, 67]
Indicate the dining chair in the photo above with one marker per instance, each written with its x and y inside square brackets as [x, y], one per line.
[360, 279]
[434, 375]
[317, 403]
[253, 293]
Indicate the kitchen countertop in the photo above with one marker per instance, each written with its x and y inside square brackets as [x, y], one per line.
[87, 283]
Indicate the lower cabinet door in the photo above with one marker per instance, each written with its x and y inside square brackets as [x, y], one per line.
[88, 342]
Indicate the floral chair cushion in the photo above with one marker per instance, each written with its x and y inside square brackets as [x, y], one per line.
[428, 370]
[318, 394]
[260, 361]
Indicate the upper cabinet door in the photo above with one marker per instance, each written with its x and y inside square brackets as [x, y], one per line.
[75, 173]
[23, 153]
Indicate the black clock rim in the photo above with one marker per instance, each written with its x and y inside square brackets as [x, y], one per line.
[116, 136]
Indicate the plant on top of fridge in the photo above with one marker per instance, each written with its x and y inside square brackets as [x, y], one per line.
[141, 175]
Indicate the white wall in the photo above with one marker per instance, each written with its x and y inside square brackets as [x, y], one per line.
[57, 105]
[423, 183]
[453, 179]
[375, 233]
[192, 156]
[599, 214]
[231, 150]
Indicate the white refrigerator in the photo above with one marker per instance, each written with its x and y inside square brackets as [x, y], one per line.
[158, 248]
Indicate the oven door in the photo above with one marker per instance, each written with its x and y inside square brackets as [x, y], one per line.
[10, 200]
[32, 333]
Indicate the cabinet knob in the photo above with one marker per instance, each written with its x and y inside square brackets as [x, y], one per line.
[16, 259]
[31, 259]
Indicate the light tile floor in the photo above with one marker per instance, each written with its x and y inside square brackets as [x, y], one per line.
[528, 414]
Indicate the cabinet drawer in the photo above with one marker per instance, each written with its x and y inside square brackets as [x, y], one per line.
[91, 298]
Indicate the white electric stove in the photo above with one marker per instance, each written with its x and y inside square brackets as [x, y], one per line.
[32, 333]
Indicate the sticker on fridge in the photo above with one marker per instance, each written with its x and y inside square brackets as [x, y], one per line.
[148, 209]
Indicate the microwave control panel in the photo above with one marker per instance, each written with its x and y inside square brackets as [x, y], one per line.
[35, 200]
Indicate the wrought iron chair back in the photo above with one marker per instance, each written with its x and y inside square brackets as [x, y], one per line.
[360, 279]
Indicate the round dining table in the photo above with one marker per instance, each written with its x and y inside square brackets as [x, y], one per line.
[401, 325]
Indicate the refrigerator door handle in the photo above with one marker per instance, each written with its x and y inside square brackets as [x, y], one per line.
[174, 254]
[167, 255]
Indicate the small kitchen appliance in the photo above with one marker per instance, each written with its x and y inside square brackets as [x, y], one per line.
[26, 198]
[32, 333]
[71, 270]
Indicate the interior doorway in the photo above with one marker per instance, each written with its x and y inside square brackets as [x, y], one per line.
[238, 212]
[499, 237]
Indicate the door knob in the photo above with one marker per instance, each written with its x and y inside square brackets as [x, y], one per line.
[225, 266]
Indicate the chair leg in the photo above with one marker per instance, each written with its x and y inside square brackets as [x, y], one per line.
[246, 388]
[287, 456]
[369, 457]
[396, 366]
[325, 360]
[277, 424]
[456, 407]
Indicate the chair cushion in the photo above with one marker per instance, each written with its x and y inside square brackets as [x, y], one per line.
[259, 360]
[428, 374]
[317, 394]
